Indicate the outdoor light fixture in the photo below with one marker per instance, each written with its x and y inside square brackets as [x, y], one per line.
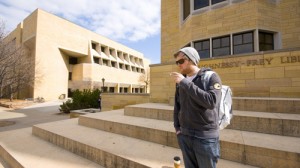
[103, 80]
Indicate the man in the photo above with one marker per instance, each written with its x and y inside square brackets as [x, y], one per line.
[195, 113]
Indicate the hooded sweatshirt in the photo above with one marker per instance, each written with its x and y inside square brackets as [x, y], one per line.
[195, 112]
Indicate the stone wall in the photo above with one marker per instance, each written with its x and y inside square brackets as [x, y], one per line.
[263, 74]
[113, 101]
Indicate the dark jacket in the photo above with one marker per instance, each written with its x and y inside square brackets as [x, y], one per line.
[195, 111]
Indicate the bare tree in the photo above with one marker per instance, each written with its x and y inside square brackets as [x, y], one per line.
[145, 78]
[17, 66]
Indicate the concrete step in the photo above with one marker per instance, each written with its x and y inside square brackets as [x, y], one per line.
[19, 149]
[267, 104]
[251, 148]
[112, 150]
[264, 104]
[263, 122]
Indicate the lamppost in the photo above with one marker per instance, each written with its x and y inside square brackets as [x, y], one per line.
[103, 80]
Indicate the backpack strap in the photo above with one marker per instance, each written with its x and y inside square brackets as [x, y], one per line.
[205, 79]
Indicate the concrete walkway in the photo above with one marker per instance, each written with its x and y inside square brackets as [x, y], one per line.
[31, 115]
[11, 119]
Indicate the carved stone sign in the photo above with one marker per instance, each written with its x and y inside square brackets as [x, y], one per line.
[254, 62]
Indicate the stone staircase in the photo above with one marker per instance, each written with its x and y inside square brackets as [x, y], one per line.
[265, 134]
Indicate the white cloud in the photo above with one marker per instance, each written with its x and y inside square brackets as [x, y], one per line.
[131, 20]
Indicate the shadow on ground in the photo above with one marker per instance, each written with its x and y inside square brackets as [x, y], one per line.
[28, 116]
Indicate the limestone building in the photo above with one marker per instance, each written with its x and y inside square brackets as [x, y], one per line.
[254, 45]
[70, 57]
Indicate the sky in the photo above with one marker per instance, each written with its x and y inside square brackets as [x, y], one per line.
[133, 23]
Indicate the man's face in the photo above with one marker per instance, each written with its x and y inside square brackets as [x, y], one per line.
[183, 63]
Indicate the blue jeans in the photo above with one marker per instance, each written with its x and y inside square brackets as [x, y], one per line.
[199, 153]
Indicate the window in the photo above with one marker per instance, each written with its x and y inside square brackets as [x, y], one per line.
[243, 43]
[111, 89]
[70, 75]
[216, 1]
[70, 93]
[200, 4]
[203, 48]
[186, 8]
[94, 46]
[221, 46]
[103, 49]
[96, 60]
[111, 52]
[133, 69]
[73, 60]
[114, 64]
[105, 62]
[121, 66]
[266, 41]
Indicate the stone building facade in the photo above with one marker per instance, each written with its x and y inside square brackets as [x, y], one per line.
[70, 57]
[254, 45]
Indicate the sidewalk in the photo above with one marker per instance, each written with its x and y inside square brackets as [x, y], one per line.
[28, 116]
[17, 139]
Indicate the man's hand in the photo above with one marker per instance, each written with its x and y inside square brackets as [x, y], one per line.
[177, 77]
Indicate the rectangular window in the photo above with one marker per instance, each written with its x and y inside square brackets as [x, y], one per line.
[186, 8]
[73, 60]
[221, 46]
[216, 1]
[105, 62]
[198, 4]
[70, 93]
[114, 64]
[70, 75]
[103, 49]
[121, 66]
[133, 69]
[111, 52]
[96, 60]
[266, 41]
[111, 90]
[243, 43]
[94, 46]
[203, 48]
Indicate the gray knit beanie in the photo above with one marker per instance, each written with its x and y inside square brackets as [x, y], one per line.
[192, 53]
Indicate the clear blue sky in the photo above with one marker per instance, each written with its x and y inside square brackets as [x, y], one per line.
[134, 23]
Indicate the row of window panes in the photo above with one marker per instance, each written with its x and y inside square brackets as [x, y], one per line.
[112, 90]
[118, 54]
[122, 90]
[121, 65]
[242, 43]
[198, 4]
